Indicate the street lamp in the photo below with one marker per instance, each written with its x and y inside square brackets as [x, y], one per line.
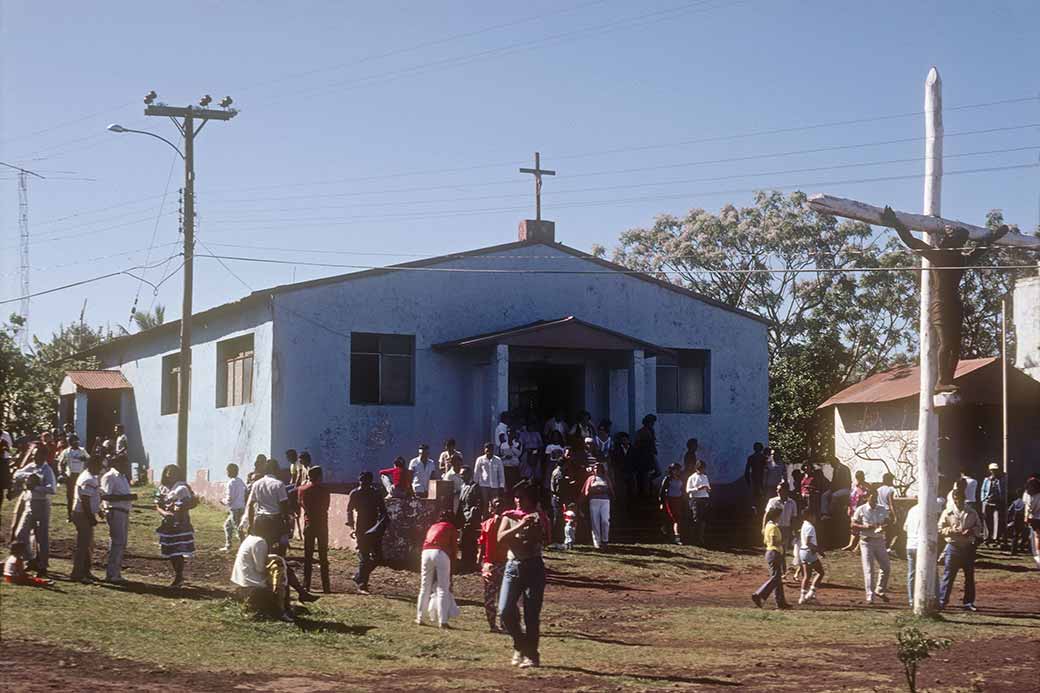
[116, 127]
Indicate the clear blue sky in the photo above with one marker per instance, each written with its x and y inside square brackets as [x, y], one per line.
[340, 100]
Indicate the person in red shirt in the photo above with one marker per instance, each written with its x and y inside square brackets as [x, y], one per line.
[397, 480]
[492, 563]
[439, 550]
[314, 501]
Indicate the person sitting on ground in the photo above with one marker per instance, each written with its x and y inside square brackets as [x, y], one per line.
[14, 568]
[262, 579]
[671, 498]
[440, 548]
[397, 480]
[809, 556]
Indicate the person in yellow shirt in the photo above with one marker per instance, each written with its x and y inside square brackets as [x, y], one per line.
[774, 543]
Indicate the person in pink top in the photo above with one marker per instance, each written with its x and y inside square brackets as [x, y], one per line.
[439, 551]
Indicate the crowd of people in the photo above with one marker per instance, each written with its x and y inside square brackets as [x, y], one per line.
[534, 487]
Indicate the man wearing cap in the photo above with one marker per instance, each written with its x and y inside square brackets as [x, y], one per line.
[423, 470]
[71, 461]
[994, 501]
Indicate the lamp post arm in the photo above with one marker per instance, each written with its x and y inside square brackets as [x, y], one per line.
[158, 137]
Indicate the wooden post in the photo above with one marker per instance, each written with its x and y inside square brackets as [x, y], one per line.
[926, 602]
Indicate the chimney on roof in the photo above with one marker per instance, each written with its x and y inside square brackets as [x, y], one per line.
[537, 231]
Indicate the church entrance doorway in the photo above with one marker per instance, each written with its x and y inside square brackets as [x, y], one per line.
[539, 390]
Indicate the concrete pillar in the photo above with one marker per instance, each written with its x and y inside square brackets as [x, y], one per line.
[499, 386]
[79, 417]
[636, 390]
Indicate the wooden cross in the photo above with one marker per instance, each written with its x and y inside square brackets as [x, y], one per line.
[538, 172]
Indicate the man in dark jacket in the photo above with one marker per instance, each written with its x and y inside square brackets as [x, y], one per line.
[470, 516]
[644, 455]
[366, 515]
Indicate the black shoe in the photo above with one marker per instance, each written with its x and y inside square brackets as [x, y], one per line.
[756, 599]
[308, 597]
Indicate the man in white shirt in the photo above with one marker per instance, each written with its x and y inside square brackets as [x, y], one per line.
[235, 501]
[116, 500]
[489, 473]
[71, 462]
[971, 490]
[788, 509]
[86, 504]
[37, 478]
[698, 490]
[962, 529]
[869, 520]
[510, 450]
[423, 469]
[912, 526]
[267, 510]
[261, 578]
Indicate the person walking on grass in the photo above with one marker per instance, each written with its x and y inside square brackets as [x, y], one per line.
[366, 515]
[492, 563]
[174, 500]
[774, 541]
[314, 502]
[809, 555]
[86, 505]
[857, 497]
[870, 520]
[698, 494]
[1031, 511]
[788, 511]
[37, 480]
[671, 498]
[440, 548]
[523, 532]
[117, 500]
[962, 529]
[235, 501]
[598, 491]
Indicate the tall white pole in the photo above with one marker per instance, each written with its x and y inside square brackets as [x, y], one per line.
[925, 600]
[1003, 386]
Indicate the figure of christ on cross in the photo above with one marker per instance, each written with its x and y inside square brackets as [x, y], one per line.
[946, 311]
[538, 172]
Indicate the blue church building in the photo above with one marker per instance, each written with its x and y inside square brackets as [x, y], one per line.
[362, 367]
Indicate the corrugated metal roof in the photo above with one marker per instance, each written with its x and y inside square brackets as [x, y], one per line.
[897, 383]
[99, 380]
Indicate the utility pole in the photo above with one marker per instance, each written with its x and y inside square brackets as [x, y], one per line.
[185, 119]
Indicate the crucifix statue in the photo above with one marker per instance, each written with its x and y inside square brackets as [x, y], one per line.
[946, 308]
[538, 172]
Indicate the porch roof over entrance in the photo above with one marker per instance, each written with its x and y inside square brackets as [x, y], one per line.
[96, 380]
[563, 333]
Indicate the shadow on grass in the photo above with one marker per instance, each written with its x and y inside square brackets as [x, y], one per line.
[166, 592]
[663, 678]
[310, 625]
[561, 579]
[593, 638]
[1005, 567]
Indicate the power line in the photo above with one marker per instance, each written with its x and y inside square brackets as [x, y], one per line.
[340, 221]
[155, 232]
[128, 272]
[498, 270]
[66, 123]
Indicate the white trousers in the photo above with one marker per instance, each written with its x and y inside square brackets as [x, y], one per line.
[599, 518]
[435, 567]
[873, 553]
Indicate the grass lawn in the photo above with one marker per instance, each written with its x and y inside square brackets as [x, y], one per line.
[644, 617]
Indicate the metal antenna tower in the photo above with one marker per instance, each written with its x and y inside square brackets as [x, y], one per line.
[23, 231]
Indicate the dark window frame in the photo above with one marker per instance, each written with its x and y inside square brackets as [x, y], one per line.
[684, 360]
[382, 349]
[231, 352]
[169, 395]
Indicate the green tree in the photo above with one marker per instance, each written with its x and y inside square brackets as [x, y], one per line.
[146, 320]
[833, 319]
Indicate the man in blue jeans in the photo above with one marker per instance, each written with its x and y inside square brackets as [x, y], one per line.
[523, 531]
[961, 527]
[912, 527]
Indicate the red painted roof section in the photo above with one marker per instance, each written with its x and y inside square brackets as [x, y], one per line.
[99, 380]
[898, 383]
